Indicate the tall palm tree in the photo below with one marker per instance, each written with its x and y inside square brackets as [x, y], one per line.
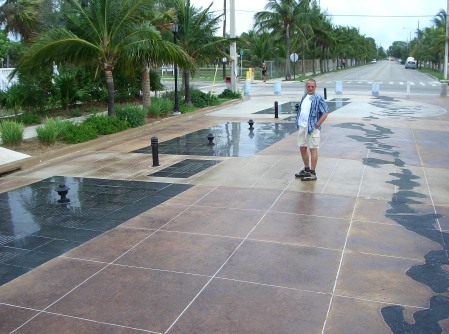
[152, 53]
[102, 32]
[257, 46]
[196, 34]
[281, 18]
[21, 17]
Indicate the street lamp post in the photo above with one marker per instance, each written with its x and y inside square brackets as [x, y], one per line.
[175, 68]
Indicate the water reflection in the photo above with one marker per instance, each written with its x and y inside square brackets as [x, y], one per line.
[231, 140]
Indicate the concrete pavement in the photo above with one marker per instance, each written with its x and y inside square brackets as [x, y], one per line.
[241, 245]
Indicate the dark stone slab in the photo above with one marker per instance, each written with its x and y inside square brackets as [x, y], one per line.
[35, 228]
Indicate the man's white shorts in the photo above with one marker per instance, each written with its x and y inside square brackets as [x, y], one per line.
[311, 141]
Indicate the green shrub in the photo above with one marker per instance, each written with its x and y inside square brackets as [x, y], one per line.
[28, 118]
[201, 100]
[133, 114]
[184, 108]
[75, 113]
[78, 133]
[105, 125]
[51, 130]
[69, 90]
[160, 107]
[11, 132]
[155, 109]
[229, 95]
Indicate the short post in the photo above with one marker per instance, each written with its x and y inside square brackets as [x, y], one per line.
[375, 88]
[276, 109]
[251, 123]
[408, 88]
[155, 151]
[443, 91]
[277, 88]
[325, 94]
[247, 88]
[339, 87]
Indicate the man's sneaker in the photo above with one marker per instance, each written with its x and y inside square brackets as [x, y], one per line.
[309, 177]
[302, 173]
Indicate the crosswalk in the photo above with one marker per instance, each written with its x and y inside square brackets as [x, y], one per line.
[392, 83]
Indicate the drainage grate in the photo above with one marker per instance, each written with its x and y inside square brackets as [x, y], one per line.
[185, 168]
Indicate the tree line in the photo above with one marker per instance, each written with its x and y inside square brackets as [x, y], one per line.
[121, 41]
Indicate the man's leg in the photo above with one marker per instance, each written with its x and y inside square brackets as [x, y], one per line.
[311, 176]
[304, 156]
[313, 158]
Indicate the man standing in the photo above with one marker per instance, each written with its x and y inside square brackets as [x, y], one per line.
[311, 113]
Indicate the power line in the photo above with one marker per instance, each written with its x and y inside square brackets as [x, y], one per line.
[345, 15]
[385, 16]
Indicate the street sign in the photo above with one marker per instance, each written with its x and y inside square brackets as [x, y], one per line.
[294, 57]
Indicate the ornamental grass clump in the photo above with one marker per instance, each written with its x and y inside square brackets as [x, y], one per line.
[159, 107]
[51, 130]
[133, 114]
[11, 132]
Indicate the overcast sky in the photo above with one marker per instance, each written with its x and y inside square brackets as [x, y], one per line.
[384, 20]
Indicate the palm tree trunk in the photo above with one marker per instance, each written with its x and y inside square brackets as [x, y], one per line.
[303, 47]
[146, 89]
[186, 77]
[288, 75]
[111, 93]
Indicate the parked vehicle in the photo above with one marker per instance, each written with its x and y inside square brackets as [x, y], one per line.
[410, 64]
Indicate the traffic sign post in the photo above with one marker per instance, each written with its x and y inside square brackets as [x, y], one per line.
[294, 59]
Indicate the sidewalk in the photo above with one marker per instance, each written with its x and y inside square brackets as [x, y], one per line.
[228, 240]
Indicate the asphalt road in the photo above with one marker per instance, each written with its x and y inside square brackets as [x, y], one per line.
[391, 76]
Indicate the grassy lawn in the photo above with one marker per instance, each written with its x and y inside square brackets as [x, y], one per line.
[434, 73]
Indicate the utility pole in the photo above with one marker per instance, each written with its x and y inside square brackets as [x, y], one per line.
[224, 36]
[446, 45]
[233, 47]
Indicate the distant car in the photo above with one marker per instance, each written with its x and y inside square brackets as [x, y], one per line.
[410, 64]
[373, 61]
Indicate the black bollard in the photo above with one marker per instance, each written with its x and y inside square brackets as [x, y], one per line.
[155, 151]
[251, 123]
[276, 109]
[325, 94]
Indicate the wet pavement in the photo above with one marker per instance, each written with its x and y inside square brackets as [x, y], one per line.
[222, 238]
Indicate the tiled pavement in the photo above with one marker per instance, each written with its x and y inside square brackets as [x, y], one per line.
[240, 245]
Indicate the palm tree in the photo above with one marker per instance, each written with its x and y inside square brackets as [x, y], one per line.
[196, 34]
[441, 37]
[258, 46]
[281, 18]
[152, 53]
[101, 32]
[21, 17]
